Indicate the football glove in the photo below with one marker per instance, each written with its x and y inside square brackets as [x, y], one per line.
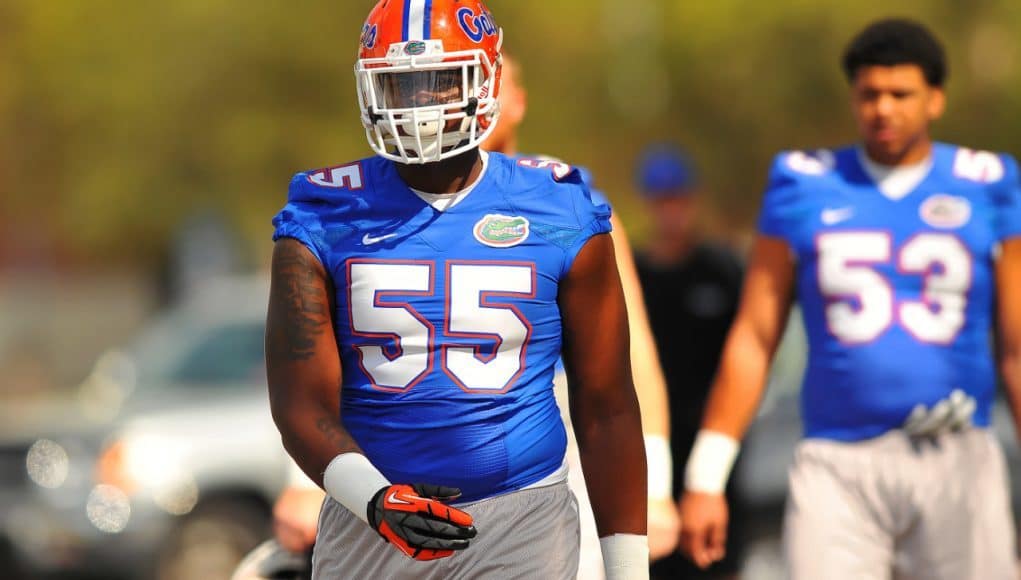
[953, 413]
[415, 519]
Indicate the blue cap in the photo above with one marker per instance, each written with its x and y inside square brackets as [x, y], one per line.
[665, 170]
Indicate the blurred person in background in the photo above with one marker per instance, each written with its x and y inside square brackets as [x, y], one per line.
[905, 255]
[296, 512]
[448, 368]
[691, 288]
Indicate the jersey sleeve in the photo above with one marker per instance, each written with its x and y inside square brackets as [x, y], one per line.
[1007, 201]
[300, 219]
[598, 197]
[593, 213]
[780, 201]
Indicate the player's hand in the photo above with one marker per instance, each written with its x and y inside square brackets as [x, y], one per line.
[664, 528]
[415, 519]
[296, 518]
[950, 414]
[704, 527]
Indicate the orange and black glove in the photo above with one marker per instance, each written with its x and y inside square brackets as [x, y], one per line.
[415, 519]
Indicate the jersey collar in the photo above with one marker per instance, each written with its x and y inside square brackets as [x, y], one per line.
[895, 182]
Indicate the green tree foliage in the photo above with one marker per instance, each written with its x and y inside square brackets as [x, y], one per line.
[122, 118]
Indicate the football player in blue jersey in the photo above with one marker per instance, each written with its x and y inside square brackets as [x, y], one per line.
[420, 299]
[296, 511]
[905, 255]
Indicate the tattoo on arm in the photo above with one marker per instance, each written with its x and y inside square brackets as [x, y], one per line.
[304, 311]
[337, 435]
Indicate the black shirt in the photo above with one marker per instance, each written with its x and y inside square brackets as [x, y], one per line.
[691, 305]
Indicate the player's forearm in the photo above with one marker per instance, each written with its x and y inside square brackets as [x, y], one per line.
[315, 438]
[1010, 370]
[613, 459]
[1008, 324]
[732, 403]
[753, 339]
[1009, 359]
[739, 386]
[312, 436]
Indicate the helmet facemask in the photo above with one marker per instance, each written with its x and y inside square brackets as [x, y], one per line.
[420, 104]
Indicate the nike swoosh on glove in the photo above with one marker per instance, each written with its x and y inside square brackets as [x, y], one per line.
[415, 519]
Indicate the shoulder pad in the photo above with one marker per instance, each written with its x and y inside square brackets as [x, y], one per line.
[327, 182]
[978, 166]
[814, 163]
[349, 176]
[558, 169]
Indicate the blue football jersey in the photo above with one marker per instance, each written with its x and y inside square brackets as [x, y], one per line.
[897, 295]
[447, 321]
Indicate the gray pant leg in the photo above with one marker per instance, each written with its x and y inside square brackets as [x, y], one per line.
[965, 528]
[531, 533]
[830, 531]
[347, 548]
[892, 507]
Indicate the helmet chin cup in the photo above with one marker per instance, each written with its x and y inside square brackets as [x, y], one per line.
[428, 125]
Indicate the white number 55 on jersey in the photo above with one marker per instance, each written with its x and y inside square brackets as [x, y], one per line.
[473, 312]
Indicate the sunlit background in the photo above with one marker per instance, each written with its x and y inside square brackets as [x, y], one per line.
[145, 147]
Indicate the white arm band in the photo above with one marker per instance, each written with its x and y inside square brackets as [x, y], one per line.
[625, 556]
[352, 481]
[661, 467]
[297, 478]
[712, 457]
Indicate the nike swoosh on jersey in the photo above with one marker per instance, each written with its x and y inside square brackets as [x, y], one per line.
[831, 216]
[369, 240]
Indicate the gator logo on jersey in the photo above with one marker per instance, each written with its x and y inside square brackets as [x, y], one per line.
[945, 211]
[501, 231]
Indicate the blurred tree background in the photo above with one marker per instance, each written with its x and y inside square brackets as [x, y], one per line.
[123, 119]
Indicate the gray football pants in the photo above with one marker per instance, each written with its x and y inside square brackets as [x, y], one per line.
[532, 533]
[896, 508]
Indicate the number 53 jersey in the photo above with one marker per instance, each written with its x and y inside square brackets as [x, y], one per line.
[447, 321]
[897, 293]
